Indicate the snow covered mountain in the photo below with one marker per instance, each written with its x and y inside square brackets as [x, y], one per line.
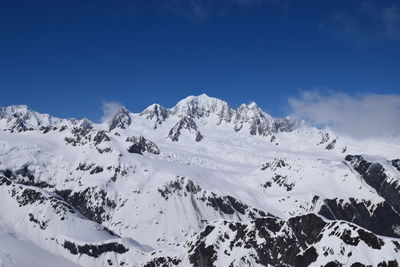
[199, 184]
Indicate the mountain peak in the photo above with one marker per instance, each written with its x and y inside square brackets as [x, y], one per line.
[155, 111]
[202, 106]
[15, 109]
[122, 109]
[121, 119]
[199, 100]
[252, 105]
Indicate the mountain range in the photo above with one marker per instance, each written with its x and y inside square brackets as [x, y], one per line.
[198, 184]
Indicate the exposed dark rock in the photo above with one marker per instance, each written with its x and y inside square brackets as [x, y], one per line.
[307, 257]
[338, 264]
[16, 124]
[331, 145]
[42, 225]
[283, 181]
[307, 228]
[276, 163]
[25, 176]
[392, 263]
[324, 137]
[203, 256]
[396, 164]
[156, 112]
[374, 175]
[63, 128]
[359, 212]
[259, 122]
[97, 169]
[270, 241]
[86, 125]
[84, 166]
[104, 150]
[121, 119]
[45, 129]
[224, 204]
[92, 203]
[141, 145]
[94, 250]
[163, 262]
[80, 136]
[185, 123]
[370, 239]
[100, 137]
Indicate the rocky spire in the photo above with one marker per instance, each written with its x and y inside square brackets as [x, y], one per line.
[121, 119]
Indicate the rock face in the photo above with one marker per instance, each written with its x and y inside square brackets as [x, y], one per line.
[331, 145]
[396, 164]
[227, 205]
[259, 122]
[100, 137]
[188, 124]
[246, 116]
[19, 118]
[195, 110]
[157, 113]
[121, 119]
[140, 145]
[374, 174]
[273, 242]
[364, 214]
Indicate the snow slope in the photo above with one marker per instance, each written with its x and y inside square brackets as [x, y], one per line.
[143, 188]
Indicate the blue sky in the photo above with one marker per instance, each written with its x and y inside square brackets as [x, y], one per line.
[68, 57]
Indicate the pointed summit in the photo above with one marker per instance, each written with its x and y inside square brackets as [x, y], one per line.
[203, 106]
[156, 112]
[86, 124]
[252, 105]
[121, 119]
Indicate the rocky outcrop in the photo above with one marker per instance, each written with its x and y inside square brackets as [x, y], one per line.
[228, 205]
[80, 136]
[121, 119]
[270, 241]
[396, 164]
[249, 117]
[100, 137]
[259, 122]
[331, 145]
[157, 113]
[20, 118]
[185, 123]
[141, 145]
[94, 250]
[92, 202]
[16, 124]
[374, 174]
[364, 214]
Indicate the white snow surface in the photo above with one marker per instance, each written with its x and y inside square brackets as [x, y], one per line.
[226, 162]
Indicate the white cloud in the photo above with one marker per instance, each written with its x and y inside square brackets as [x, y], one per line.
[109, 109]
[367, 115]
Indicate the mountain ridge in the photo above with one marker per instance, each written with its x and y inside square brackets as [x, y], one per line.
[182, 187]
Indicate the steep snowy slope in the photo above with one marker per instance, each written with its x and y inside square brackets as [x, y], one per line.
[16, 251]
[198, 184]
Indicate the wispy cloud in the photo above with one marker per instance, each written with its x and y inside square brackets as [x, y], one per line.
[109, 109]
[361, 116]
[368, 20]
